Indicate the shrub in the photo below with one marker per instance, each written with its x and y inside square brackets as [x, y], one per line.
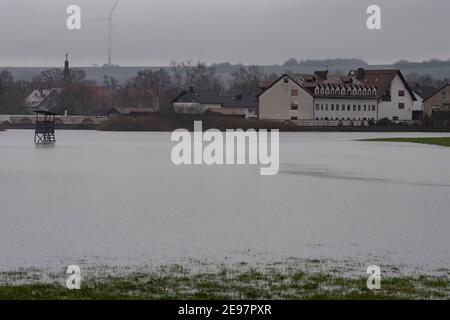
[384, 122]
[138, 123]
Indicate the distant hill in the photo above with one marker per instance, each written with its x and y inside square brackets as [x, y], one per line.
[435, 68]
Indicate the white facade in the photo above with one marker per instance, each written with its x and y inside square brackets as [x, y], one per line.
[332, 99]
[345, 109]
[401, 105]
[286, 100]
[417, 105]
[193, 107]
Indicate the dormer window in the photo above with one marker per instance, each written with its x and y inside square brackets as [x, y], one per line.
[374, 92]
[349, 92]
[343, 91]
[286, 80]
[332, 91]
[364, 92]
[317, 90]
[327, 91]
[322, 91]
[359, 92]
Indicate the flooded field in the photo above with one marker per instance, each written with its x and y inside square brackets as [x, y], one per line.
[116, 199]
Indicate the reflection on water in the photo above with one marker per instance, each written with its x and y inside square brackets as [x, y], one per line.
[116, 198]
[290, 169]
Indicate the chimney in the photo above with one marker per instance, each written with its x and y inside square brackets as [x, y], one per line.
[322, 75]
[360, 73]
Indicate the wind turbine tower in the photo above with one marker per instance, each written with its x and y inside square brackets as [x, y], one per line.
[109, 19]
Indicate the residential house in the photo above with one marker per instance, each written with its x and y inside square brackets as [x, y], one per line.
[421, 93]
[438, 102]
[129, 111]
[362, 95]
[199, 101]
[43, 99]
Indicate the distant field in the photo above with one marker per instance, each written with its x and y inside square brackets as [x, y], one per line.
[443, 141]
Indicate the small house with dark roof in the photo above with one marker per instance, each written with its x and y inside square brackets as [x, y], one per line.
[199, 101]
[437, 102]
[421, 93]
[129, 111]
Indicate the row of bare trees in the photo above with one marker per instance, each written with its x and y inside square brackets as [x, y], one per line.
[152, 88]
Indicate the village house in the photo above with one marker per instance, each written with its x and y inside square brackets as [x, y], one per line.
[362, 95]
[42, 99]
[421, 93]
[129, 111]
[438, 102]
[200, 101]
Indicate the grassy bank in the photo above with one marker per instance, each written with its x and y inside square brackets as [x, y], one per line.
[175, 282]
[442, 141]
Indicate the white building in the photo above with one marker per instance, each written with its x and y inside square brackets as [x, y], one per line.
[361, 96]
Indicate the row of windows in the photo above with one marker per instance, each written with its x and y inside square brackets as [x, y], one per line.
[344, 91]
[338, 107]
[340, 119]
[348, 119]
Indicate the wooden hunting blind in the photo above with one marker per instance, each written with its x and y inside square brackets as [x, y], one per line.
[45, 127]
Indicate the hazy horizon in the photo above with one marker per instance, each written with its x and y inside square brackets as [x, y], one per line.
[263, 32]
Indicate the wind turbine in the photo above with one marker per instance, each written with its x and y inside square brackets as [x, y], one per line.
[109, 19]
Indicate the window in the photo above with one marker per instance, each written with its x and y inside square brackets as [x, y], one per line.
[401, 93]
[294, 118]
[321, 107]
[348, 108]
[365, 108]
[317, 107]
[326, 107]
[373, 107]
[395, 118]
[337, 107]
[286, 80]
[401, 105]
[294, 106]
[359, 107]
[354, 107]
[294, 93]
[332, 107]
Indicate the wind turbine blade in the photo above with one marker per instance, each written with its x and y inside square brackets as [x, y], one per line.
[114, 8]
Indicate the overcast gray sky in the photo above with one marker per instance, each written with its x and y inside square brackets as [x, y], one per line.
[155, 32]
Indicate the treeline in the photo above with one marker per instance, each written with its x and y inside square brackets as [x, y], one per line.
[330, 63]
[425, 80]
[424, 63]
[148, 89]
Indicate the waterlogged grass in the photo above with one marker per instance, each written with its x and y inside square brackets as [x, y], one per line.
[442, 141]
[176, 282]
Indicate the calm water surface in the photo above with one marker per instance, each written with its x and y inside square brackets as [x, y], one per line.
[116, 198]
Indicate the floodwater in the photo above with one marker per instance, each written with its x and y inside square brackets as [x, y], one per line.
[117, 199]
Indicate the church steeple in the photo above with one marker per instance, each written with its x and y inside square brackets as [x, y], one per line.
[66, 67]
